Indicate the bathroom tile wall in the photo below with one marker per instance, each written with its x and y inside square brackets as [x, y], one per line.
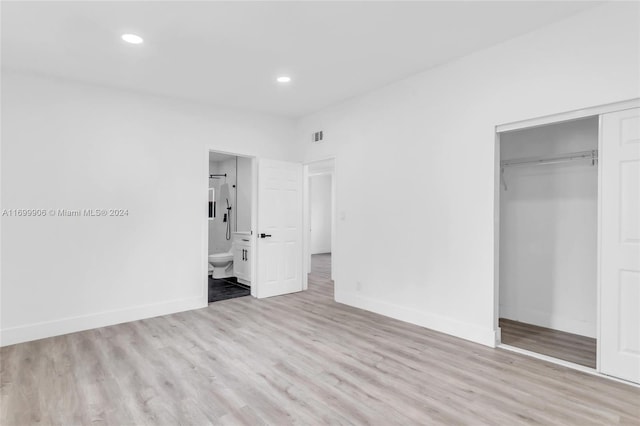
[217, 227]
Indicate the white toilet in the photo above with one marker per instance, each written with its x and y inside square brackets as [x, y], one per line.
[222, 264]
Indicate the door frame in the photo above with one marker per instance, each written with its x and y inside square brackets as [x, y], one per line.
[536, 122]
[306, 221]
[254, 220]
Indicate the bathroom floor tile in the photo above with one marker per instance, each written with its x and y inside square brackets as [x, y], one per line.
[228, 288]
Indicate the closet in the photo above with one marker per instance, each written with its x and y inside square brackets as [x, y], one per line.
[548, 239]
[568, 241]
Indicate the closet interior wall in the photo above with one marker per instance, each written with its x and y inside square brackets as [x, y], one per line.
[548, 229]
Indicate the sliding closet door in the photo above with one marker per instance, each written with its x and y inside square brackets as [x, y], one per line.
[620, 245]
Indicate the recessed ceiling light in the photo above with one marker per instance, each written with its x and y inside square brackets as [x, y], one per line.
[132, 38]
[283, 79]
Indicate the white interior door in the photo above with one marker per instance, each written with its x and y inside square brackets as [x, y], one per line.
[620, 245]
[280, 214]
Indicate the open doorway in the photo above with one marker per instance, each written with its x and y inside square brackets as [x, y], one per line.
[548, 240]
[229, 228]
[319, 221]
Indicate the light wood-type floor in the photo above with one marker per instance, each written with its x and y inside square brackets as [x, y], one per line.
[295, 359]
[558, 344]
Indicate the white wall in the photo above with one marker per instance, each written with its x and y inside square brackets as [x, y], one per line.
[67, 145]
[244, 194]
[320, 203]
[548, 229]
[218, 242]
[415, 161]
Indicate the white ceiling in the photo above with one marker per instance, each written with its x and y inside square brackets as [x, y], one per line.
[229, 54]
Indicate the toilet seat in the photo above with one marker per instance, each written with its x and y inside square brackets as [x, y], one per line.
[221, 256]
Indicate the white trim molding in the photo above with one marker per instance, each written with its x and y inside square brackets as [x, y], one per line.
[41, 330]
[568, 116]
[471, 332]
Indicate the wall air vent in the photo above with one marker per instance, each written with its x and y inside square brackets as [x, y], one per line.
[317, 136]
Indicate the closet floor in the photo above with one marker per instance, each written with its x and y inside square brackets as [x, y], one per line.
[558, 344]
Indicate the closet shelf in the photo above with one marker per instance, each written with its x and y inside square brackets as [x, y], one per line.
[542, 161]
[562, 158]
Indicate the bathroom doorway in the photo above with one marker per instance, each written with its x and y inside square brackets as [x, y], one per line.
[320, 222]
[230, 214]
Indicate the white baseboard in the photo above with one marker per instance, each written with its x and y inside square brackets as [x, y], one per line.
[474, 333]
[41, 330]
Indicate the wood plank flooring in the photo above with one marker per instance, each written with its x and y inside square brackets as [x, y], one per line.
[321, 269]
[558, 344]
[295, 359]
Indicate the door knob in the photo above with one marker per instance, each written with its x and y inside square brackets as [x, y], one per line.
[265, 235]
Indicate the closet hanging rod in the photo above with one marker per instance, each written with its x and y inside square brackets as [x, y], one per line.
[562, 158]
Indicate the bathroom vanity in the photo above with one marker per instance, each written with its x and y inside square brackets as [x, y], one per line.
[242, 256]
